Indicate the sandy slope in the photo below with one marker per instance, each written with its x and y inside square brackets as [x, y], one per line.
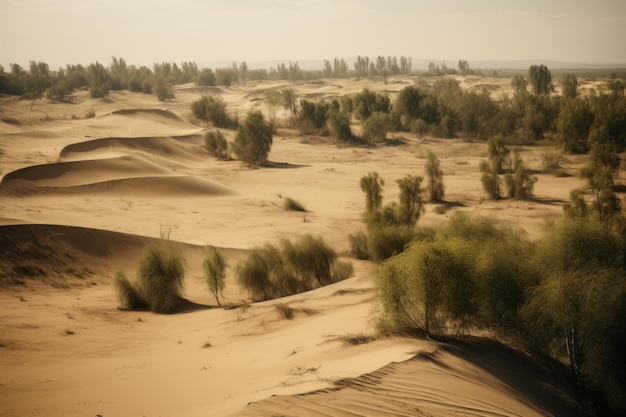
[89, 194]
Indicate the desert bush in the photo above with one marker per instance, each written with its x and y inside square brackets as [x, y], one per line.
[161, 278]
[452, 281]
[490, 181]
[253, 140]
[372, 185]
[214, 266]
[128, 294]
[367, 103]
[376, 127]
[206, 77]
[213, 109]
[99, 81]
[411, 205]
[312, 117]
[387, 240]
[217, 145]
[358, 245]
[290, 204]
[434, 178]
[293, 266]
[520, 183]
[162, 88]
[339, 125]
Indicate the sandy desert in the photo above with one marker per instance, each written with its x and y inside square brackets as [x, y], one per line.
[81, 197]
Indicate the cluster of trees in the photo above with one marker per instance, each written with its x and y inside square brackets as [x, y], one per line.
[436, 70]
[564, 295]
[519, 180]
[390, 227]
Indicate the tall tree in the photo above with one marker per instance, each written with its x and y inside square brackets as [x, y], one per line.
[540, 80]
[570, 86]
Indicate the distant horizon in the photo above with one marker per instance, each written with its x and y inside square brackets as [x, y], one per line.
[418, 63]
[147, 31]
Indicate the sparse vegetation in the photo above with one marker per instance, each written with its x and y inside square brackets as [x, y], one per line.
[217, 145]
[213, 109]
[159, 282]
[293, 267]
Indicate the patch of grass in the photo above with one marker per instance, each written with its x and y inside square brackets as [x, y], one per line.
[290, 204]
[355, 339]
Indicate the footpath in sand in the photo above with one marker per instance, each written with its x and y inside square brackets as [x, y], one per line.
[80, 199]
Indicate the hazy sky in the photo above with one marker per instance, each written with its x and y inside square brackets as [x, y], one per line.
[61, 32]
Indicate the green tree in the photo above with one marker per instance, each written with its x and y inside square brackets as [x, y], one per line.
[411, 199]
[570, 86]
[434, 178]
[99, 83]
[540, 80]
[519, 84]
[372, 185]
[520, 182]
[253, 140]
[214, 266]
[290, 102]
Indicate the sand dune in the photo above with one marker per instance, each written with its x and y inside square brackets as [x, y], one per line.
[464, 379]
[120, 176]
[177, 148]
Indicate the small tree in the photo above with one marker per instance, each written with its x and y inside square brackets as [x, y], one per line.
[411, 199]
[213, 109]
[215, 271]
[434, 178]
[570, 86]
[372, 185]
[162, 88]
[520, 182]
[490, 181]
[254, 140]
[540, 80]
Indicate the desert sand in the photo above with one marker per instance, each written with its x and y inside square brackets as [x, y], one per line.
[81, 197]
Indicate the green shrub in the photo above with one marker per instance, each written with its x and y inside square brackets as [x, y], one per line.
[128, 294]
[385, 241]
[217, 145]
[162, 88]
[339, 125]
[520, 183]
[304, 264]
[434, 178]
[358, 245]
[376, 127]
[213, 109]
[253, 140]
[214, 266]
[161, 279]
[491, 181]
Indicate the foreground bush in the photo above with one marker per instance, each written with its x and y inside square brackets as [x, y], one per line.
[564, 295]
[302, 265]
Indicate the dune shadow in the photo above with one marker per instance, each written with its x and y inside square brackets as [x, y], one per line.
[283, 165]
[547, 384]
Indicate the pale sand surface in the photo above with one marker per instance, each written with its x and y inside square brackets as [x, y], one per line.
[90, 194]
